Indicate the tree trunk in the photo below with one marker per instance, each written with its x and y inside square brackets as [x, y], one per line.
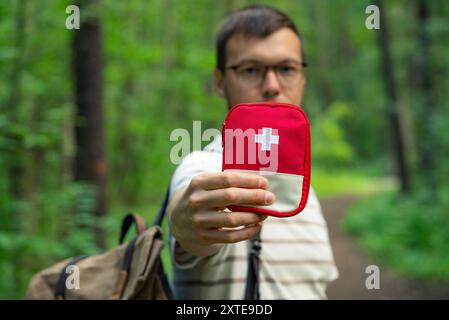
[16, 171]
[425, 88]
[90, 163]
[12, 110]
[391, 95]
[324, 59]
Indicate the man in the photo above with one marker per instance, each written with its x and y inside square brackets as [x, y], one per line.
[259, 58]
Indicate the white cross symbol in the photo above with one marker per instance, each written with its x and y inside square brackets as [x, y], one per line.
[266, 139]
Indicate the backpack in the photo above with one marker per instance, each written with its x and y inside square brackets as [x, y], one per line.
[129, 271]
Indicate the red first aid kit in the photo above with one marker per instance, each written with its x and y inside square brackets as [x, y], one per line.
[272, 140]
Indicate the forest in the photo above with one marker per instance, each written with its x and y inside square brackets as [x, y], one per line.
[86, 116]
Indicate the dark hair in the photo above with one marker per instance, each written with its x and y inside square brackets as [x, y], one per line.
[258, 21]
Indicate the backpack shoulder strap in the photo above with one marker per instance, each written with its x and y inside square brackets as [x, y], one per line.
[161, 271]
[59, 292]
[161, 214]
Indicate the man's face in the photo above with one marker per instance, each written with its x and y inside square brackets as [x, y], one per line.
[281, 49]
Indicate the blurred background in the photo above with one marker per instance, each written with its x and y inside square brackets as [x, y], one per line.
[86, 117]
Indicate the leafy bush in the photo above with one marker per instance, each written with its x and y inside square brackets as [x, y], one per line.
[329, 144]
[59, 226]
[411, 235]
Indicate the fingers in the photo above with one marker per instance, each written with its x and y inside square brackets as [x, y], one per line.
[225, 219]
[223, 197]
[221, 180]
[228, 236]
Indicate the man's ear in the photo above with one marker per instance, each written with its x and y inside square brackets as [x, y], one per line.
[219, 82]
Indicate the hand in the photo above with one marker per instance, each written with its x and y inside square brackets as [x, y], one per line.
[198, 217]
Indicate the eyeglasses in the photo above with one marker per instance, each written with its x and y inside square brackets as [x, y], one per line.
[253, 73]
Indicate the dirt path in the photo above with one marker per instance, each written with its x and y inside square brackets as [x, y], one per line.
[352, 263]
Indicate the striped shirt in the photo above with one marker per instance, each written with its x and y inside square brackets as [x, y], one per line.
[296, 260]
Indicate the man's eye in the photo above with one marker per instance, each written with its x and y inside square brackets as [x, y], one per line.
[249, 70]
[287, 69]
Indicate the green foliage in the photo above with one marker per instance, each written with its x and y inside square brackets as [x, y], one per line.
[330, 147]
[410, 235]
[56, 226]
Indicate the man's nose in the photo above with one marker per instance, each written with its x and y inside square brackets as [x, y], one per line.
[270, 86]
